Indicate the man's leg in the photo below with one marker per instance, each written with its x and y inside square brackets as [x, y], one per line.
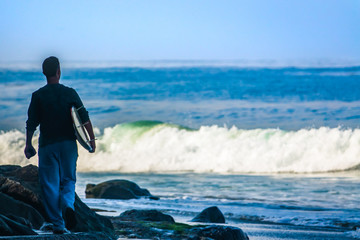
[49, 178]
[69, 155]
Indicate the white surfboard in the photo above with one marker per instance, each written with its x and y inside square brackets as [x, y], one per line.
[80, 131]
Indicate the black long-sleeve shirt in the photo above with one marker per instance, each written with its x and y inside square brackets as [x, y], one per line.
[50, 107]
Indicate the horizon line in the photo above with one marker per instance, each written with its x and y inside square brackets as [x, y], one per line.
[176, 63]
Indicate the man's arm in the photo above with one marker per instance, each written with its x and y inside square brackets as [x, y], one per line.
[31, 124]
[89, 129]
[29, 149]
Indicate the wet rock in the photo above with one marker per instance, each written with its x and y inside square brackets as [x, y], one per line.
[11, 207]
[175, 231]
[89, 221]
[16, 190]
[210, 215]
[20, 196]
[10, 227]
[8, 168]
[20, 220]
[117, 189]
[145, 215]
[219, 233]
[72, 236]
[5, 230]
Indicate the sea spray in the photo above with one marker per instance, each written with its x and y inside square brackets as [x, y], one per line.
[12, 144]
[148, 146]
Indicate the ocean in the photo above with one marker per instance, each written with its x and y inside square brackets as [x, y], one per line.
[270, 146]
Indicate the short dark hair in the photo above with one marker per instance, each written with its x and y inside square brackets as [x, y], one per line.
[50, 66]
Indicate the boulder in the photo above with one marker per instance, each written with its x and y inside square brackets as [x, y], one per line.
[29, 195]
[9, 227]
[117, 189]
[145, 215]
[176, 231]
[72, 236]
[219, 233]
[210, 215]
[89, 221]
[20, 189]
[12, 207]
[8, 168]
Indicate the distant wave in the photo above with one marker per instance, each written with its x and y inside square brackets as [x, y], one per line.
[239, 63]
[149, 146]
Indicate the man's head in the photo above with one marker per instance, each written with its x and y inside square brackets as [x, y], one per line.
[51, 67]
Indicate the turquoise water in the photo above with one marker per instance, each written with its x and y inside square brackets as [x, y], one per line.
[313, 200]
[266, 145]
[288, 98]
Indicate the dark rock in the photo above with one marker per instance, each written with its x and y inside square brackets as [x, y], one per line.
[8, 168]
[117, 189]
[72, 236]
[220, 233]
[5, 230]
[28, 173]
[145, 215]
[10, 206]
[89, 221]
[12, 228]
[210, 215]
[18, 191]
[175, 231]
[21, 220]
[19, 187]
[139, 230]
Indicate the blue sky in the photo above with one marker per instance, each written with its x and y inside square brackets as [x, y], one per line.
[112, 30]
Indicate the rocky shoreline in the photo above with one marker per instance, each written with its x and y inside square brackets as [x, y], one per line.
[22, 213]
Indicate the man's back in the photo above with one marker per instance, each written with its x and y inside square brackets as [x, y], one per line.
[50, 107]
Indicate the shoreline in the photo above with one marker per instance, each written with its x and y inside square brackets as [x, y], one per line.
[291, 232]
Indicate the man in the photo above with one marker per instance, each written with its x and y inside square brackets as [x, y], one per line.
[50, 108]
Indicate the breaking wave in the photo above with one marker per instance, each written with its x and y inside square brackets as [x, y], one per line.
[149, 146]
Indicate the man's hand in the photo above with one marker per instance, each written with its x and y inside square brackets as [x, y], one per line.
[29, 151]
[93, 146]
[90, 131]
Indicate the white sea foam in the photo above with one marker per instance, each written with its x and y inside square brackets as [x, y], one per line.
[12, 146]
[156, 147]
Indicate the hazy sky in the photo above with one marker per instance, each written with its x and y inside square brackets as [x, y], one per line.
[110, 30]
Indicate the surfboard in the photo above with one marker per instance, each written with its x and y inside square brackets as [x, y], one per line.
[80, 131]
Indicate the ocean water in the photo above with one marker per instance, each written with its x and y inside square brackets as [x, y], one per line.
[276, 145]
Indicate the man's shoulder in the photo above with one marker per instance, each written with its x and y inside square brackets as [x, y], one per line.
[39, 91]
[57, 87]
[66, 88]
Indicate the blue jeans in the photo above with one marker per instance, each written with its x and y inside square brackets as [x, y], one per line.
[57, 176]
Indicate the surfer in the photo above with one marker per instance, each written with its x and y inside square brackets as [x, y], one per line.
[50, 108]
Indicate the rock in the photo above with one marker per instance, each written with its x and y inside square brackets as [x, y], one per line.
[89, 221]
[138, 230]
[19, 187]
[220, 233]
[5, 230]
[15, 208]
[10, 227]
[72, 236]
[15, 190]
[210, 215]
[117, 189]
[21, 220]
[28, 173]
[145, 215]
[175, 231]
[8, 168]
